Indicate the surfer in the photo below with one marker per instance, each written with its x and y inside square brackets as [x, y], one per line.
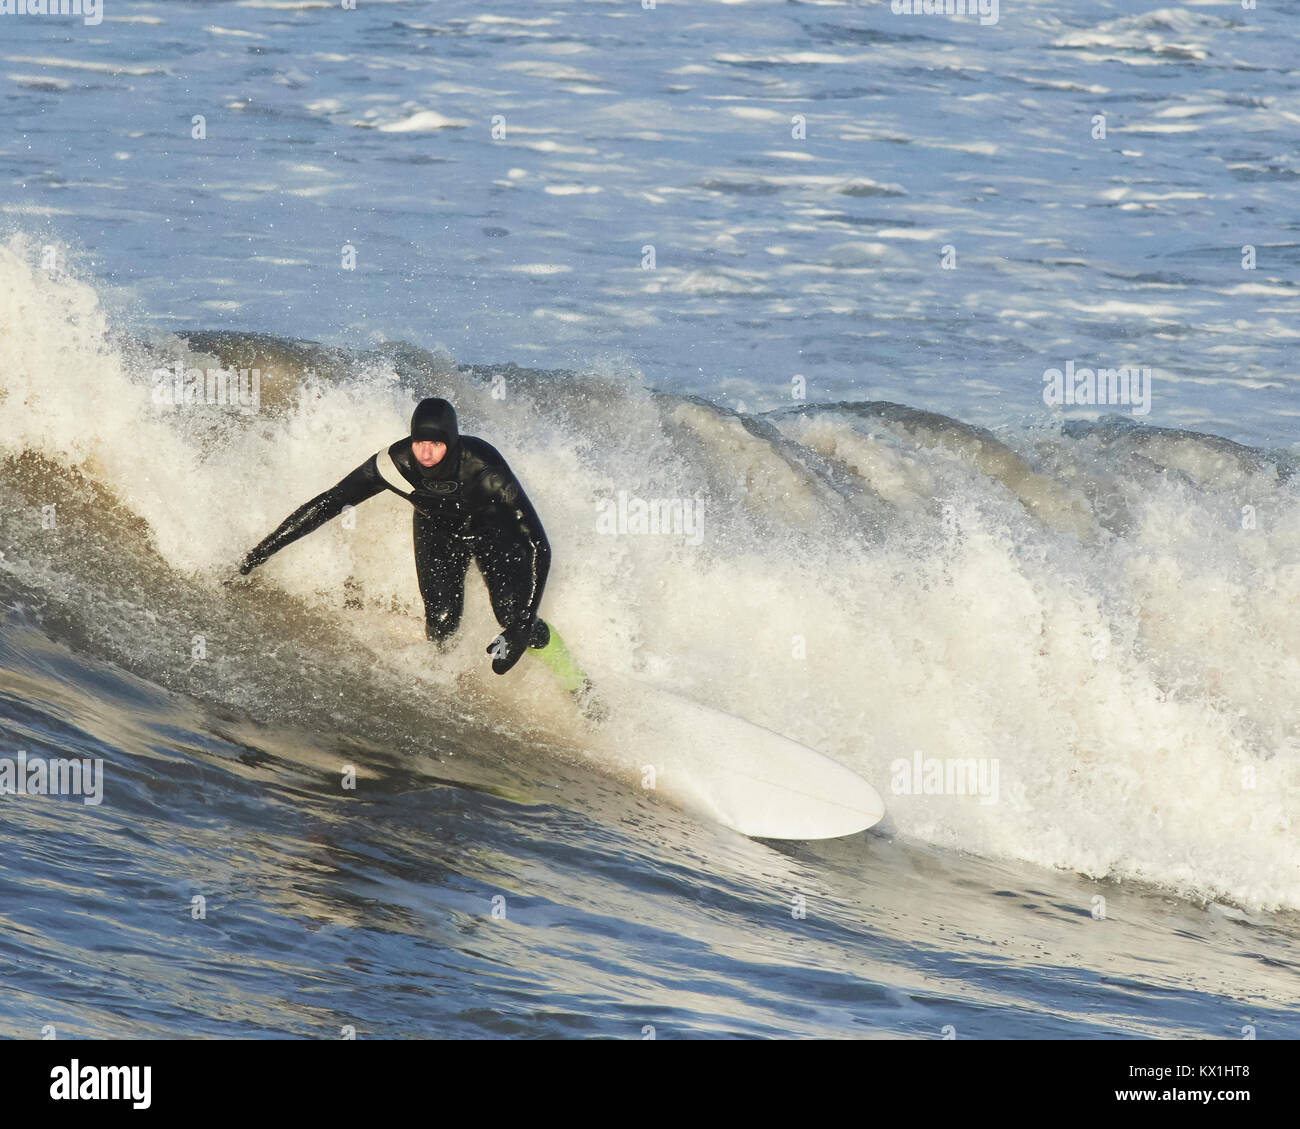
[468, 504]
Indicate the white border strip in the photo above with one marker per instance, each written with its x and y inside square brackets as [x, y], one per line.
[389, 473]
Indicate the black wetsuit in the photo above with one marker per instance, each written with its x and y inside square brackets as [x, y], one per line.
[469, 505]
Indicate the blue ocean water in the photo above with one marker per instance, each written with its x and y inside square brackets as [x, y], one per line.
[802, 264]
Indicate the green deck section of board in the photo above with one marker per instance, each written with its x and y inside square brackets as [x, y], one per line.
[556, 657]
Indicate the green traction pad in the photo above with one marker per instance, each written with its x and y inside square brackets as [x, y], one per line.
[555, 657]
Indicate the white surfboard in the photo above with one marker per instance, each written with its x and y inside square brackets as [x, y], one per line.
[744, 776]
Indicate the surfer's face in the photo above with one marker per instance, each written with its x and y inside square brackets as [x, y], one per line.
[427, 452]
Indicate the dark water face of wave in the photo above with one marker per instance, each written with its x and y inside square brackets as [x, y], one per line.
[483, 878]
[413, 907]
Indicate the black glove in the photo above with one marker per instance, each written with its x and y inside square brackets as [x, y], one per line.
[251, 561]
[508, 647]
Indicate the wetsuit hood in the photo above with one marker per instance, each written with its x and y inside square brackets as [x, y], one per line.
[434, 421]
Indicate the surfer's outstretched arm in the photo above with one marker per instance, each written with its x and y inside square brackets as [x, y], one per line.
[362, 483]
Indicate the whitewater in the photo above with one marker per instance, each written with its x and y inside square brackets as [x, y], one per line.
[900, 549]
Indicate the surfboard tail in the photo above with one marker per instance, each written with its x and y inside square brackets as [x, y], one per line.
[558, 659]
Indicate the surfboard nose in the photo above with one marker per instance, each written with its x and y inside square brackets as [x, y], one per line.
[747, 777]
